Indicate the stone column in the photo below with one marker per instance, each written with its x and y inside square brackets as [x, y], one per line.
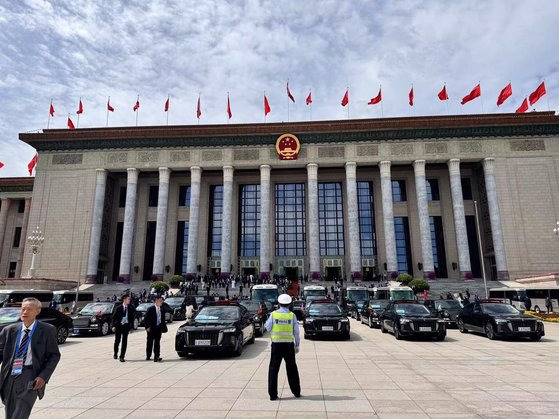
[129, 226]
[265, 221]
[424, 225]
[313, 242]
[388, 220]
[193, 218]
[353, 218]
[495, 219]
[3, 220]
[23, 240]
[459, 219]
[96, 226]
[161, 225]
[226, 221]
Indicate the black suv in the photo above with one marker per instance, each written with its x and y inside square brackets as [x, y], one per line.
[410, 318]
[447, 310]
[219, 326]
[325, 318]
[260, 313]
[498, 319]
[371, 311]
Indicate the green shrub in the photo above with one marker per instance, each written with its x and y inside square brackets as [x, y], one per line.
[160, 286]
[419, 285]
[404, 279]
[175, 281]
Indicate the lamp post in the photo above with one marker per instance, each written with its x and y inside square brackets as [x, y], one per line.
[36, 240]
[481, 251]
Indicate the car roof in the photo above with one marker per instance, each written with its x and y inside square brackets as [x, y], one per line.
[407, 302]
[264, 286]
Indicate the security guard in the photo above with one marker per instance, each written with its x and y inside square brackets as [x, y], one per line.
[284, 331]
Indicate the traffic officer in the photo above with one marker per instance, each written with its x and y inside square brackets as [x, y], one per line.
[284, 332]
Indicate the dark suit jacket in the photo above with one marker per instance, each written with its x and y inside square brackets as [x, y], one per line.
[44, 348]
[119, 314]
[151, 319]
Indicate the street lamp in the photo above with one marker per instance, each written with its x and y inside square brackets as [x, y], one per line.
[36, 240]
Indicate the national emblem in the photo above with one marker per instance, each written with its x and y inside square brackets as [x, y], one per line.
[288, 146]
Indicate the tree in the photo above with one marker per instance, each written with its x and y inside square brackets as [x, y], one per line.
[175, 281]
[160, 286]
[419, 285]
[404, 279]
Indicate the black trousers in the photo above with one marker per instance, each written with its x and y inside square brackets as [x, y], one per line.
[121, 332]
[18, 401]
[153, 342]
[285, 351]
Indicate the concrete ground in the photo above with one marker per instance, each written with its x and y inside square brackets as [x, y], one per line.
[372, 375]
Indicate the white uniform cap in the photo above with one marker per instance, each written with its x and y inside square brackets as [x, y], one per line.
[284, 299]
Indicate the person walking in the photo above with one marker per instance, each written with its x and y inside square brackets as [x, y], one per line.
[527, 303]
[123, 319]
[548, 305]
[155, 326]
[284, 332]
[29, 355]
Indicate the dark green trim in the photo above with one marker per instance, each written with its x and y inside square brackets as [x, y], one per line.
[306, 138]
[16, 188]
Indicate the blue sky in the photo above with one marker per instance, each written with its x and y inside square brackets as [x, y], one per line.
[65, 50]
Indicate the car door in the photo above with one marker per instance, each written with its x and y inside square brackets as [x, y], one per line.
[48, 315]
[246, 324]
[477, 318]
[387, 317]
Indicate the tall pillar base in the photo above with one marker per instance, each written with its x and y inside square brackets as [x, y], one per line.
[157, 277]
[224, 275]
[123, 279]
[89, 279]
[264, 275]
[466, 275]
[429, 275]
[503, 276]
[315, 276]
[190, 276]
[357, 277]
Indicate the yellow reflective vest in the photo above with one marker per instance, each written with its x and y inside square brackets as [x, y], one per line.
[282, 327]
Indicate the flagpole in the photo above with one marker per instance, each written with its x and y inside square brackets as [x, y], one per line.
[447, 106]
[137, 110]
[310, 109]
[79, 114]
[198, 107]
[287, 101]
[264, 106]
[348, 103]
[168, 109]
[547, 97]
[227, 108]
[412, 106]
[108, 101]
[381, 107]
[480, 96]
[67, 121]
[48, 120]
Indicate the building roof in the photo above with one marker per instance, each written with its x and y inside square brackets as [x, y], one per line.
[381, 129]
[16, 184]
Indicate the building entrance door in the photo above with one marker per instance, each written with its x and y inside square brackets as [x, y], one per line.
[215, 272]
[249, 271]
[333, 273]
[291, 273]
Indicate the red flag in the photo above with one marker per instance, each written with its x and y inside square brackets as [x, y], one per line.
[137, 105]
[309, 98]
[229, 113]
[442, 94]
[267, 108]
[32, 164]
[410, 97]
[345, 99]
[476, 92]
[109, 107]
[537, 94]
[167, 105]
[376, 99]
[70, 124]
[289, 95]
[1, 165]
[80, 108]
[523, 107]
[505, 94]
[198, 109]
[51, 110]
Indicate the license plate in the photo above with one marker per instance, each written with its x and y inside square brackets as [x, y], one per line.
[424, 329]
[76, 331]
[328, 328]
[202, 342]
[524, 329]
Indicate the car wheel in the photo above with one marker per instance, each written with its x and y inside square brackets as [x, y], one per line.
[105, 329]
[252, 339]
[136, 324]
[397, 333]
[462, 326]
[182, 354]
[239, 348]
[441, 336]
[535, 338]
[307, 337]
[537, 309]
[62, 334]
[382, 329]
[489, 331]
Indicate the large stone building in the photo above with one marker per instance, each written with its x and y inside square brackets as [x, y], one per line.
[338, 198]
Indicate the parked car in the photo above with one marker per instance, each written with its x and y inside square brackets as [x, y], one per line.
[409, 318]
[371, 311]
[326, 318]
[298, 309]
[354, 309]
[260, 314]
[143, 308]
[178, 305]
[498, 319]
[447, 310]
[96, 318]
[220, 326]
[63, 323]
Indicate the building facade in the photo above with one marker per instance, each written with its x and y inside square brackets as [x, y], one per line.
[354, 198]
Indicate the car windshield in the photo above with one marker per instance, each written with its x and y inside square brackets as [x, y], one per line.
[357, 295]
[496, 308]
[217, 314]
[314, 293]
[251, 305]
[402, 295]
[411, 309]
[446, 304]
[324, 310]
[270, 295]
[9, 315]
[379, 303]
[174, 302]
[96, 308]
[144, 307]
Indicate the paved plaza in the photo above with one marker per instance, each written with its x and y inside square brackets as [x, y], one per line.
[373, 375]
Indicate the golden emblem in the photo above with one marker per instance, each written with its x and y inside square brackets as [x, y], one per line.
[288, 146]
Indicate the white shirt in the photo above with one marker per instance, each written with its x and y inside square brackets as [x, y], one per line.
[29, 357]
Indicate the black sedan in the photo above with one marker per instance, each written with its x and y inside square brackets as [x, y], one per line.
[406, 318]
[371, 311]
[62, 322]
[143, 308]
[221, 326]
[447, 310]
[260, 314]
[326, 318]
[96, 318]
[496, 319]
[354, 309]
[178, 305]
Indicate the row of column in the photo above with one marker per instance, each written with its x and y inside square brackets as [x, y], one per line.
[6, 204]
[312, 219]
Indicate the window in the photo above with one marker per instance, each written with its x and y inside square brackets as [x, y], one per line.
[290, 219]
[366, 218]
[216, 214]
[184, 196]
[432, 186]
[403, 251]
[17, 236]
[399, 191]
[153, 195]
[21, 206]
[181, 255]
[122, 197]
[330, 219]
[249, 223]
[118, 249]
[12, 270]
[148, 250]
[466, 188]
[437, 244]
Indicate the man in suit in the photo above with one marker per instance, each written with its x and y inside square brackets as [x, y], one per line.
[123, 321]
[155, 326]
[29, 354]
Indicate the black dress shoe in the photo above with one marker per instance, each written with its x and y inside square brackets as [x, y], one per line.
[273, 398]
[157, 359]
[297, 395]
[115, 356]
[148, 358]
[121, 359]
